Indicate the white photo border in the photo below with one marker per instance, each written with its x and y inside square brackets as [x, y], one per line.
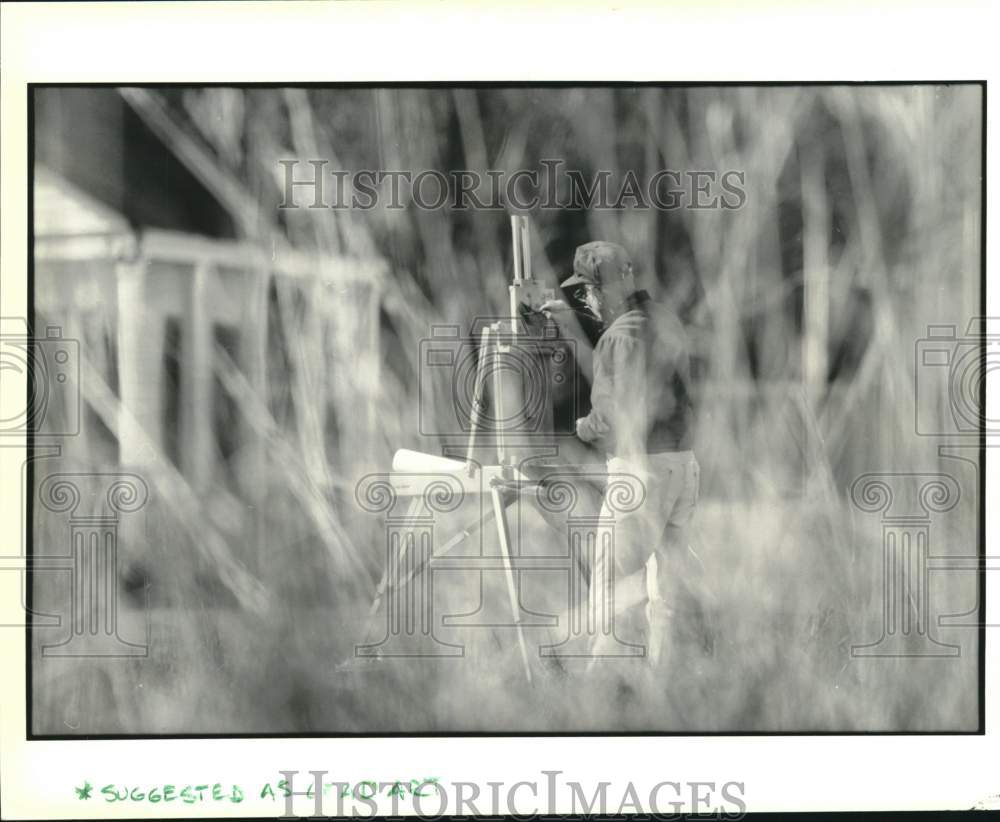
[123, 43]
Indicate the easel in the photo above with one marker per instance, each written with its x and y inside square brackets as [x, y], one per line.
[503, 480]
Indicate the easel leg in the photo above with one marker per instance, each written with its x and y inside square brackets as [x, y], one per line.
[500, 510]
[383, 586]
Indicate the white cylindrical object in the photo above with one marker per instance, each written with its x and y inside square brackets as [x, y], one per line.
[525, 249]
[418, 462]
[515, 233]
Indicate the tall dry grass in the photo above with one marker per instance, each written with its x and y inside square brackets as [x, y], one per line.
[861, 227]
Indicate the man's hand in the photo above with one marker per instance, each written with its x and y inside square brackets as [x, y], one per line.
[553, 308]
[591, 428]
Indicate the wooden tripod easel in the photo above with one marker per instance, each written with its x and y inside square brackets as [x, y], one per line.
[504, 481]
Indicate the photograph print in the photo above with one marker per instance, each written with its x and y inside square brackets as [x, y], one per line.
[505, 409]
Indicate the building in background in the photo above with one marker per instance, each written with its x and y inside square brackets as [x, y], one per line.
[175, 304]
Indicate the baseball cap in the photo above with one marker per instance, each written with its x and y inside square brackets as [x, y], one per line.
[594, 262]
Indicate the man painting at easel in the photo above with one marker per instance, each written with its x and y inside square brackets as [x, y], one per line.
[641, 415]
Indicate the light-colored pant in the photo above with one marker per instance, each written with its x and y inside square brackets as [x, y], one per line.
[643, 536]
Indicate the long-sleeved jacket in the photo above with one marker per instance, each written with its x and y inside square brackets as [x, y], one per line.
[640, 395]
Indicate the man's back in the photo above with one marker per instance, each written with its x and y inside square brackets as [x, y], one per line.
[641, 388]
